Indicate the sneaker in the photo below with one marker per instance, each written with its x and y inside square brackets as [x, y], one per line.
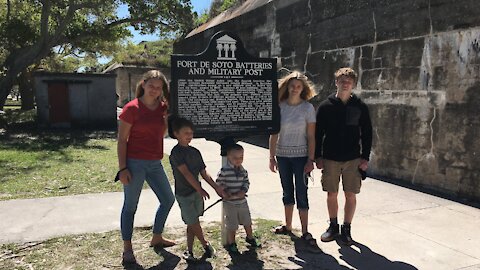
[209, 251]
[232, 248]
[188, 256]
[331, 233]
[345, 235]
[128, 258]
[254, 242]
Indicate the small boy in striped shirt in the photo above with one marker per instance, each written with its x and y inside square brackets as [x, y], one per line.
[234, 179]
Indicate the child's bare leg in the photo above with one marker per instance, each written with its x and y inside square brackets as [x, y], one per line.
[190, 238]
[197, 231]
[231, 236]
[248, 231]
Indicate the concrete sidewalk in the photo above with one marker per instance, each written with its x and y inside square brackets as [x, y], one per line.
[396, 228]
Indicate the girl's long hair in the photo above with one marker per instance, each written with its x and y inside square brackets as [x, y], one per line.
[308, 91]
[153, 74]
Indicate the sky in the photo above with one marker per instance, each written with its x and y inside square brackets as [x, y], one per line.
[198, 6]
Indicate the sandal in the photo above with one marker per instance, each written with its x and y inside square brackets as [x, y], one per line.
[312, 242]
[282, 229]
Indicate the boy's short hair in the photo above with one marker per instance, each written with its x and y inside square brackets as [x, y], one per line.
[179, 123]
[349, 72]
[234, 147]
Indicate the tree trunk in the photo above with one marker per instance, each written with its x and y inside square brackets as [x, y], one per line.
[6, 84]
[25, 87]
[17, 62]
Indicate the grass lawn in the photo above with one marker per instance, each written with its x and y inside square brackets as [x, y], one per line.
[42, 163]
[103, 251]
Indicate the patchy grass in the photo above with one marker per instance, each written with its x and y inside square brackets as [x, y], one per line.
[103, 251]
[42, 163]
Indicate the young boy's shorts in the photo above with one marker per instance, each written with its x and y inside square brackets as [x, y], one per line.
[236, 214]
[351, 178]
[191, 207]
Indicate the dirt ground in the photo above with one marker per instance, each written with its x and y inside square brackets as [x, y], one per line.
[103, 251]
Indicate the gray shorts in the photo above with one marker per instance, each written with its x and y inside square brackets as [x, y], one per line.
[191, 207]
[351, 178]
[236, 214]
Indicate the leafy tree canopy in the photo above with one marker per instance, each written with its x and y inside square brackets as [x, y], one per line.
[153, 53]
[216, 7]
[31, 31]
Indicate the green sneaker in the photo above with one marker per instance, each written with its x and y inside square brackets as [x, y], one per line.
[232, 248]
[254, 242]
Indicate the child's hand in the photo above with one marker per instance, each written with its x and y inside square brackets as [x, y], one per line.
[241, 194]
[220, 191]
[204, 194]
[238, 195]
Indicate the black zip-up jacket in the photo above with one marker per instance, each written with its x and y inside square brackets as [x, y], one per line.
[341, 127]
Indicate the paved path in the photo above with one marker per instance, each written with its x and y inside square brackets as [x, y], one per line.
[397, 228]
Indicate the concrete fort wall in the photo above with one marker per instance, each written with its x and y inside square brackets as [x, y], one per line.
[419, 71]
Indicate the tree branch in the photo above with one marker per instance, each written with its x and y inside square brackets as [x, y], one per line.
[62, 24]
[132, 20]
[9, 6]
[46, 8]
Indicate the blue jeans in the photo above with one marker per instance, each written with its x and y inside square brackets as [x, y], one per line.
[288, 169]
[153, 172]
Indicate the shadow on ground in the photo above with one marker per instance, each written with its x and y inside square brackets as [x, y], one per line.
[357, 256]
[362, 257]
[246, 260]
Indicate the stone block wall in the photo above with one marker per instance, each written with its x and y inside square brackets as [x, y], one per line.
[419, 71]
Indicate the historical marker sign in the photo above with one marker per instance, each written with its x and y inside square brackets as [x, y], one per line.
[225, 91]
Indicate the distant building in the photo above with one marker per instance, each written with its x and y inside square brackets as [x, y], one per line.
[75, 99]
[127, 77]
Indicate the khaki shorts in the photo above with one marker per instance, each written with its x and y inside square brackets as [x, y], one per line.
[191, 207]
[236, 214]
[351, 178]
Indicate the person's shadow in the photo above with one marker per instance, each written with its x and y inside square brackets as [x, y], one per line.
[169, 262]
[311, 257]
[199, 264]
[246, 260]
[365, 258]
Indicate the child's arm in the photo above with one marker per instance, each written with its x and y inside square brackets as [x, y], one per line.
[191, 180]
[218, 189]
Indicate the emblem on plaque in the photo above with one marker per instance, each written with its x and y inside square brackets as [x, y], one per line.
[226, 48]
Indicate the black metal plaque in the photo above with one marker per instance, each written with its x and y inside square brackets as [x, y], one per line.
[225, 91]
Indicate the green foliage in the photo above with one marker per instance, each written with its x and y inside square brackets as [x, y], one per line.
[154, 53]
[53, 33]
[219, 6]
[216, 7]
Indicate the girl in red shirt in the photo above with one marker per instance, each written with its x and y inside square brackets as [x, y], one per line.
[142, 126]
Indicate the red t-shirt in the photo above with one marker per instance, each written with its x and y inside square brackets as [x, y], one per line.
[148, 127]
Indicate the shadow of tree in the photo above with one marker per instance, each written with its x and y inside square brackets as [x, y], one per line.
[365, 258]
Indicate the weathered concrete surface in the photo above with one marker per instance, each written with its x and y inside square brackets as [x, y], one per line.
[419, 70]
[396, 228]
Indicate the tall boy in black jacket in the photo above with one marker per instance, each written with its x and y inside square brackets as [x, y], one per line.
[343, 143]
